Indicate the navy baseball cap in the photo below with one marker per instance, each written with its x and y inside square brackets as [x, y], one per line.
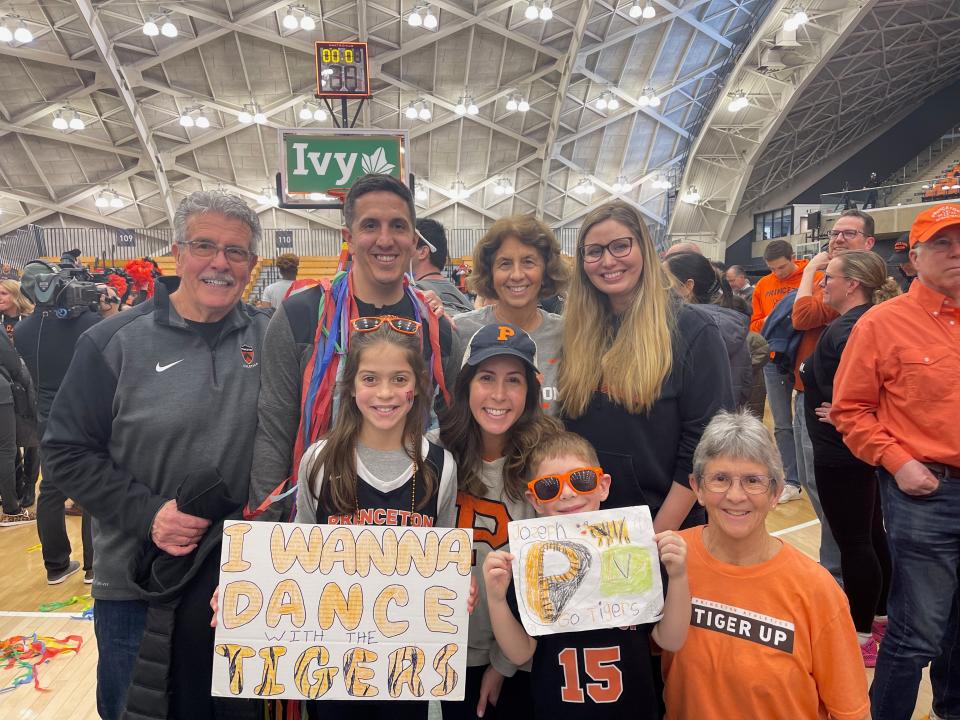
[499, 339]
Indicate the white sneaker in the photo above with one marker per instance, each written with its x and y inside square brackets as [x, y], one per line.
[790, 492]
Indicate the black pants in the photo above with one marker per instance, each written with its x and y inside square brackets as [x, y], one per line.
[850, 497]
[52, 527]
[515, 700]
[28, 472]
[8, 460]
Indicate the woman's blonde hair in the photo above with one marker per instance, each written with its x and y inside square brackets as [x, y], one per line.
[632, 362]
[529, 231]
[868, 268]
[24, 306]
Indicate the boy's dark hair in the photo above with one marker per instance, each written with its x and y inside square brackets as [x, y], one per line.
[377, 183]
[436, 235]
[287, 265]
[556, 445]
[778, 249]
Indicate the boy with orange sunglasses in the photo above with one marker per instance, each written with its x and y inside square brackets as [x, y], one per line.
[592, 674]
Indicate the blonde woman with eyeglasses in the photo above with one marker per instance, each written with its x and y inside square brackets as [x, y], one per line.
[641, 372]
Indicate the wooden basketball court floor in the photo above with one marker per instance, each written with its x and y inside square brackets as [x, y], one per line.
[69, 680]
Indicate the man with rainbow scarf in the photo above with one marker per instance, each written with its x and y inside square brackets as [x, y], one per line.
[310, 333]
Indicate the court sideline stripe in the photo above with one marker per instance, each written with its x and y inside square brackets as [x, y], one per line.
[794, 528]
[14, 613]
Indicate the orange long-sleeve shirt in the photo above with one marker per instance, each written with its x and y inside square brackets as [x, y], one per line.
[769, 291]
[896, 394]
[811, 315]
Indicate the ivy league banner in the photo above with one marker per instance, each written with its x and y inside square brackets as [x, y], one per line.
[339, 612]
[331, 161]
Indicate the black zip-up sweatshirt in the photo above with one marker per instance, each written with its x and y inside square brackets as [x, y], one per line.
[646, 453]
[147, 401]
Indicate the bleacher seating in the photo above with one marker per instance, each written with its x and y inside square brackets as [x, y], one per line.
[945, 187]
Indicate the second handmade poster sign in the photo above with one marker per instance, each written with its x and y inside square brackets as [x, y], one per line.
[586, 571]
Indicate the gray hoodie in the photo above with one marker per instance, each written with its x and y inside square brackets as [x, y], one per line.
[734, 327]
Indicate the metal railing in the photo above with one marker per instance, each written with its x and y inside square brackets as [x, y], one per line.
[887, 195]
[34, 241]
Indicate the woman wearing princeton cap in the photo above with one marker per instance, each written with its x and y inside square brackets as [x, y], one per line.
[770, 632]
[492, 426]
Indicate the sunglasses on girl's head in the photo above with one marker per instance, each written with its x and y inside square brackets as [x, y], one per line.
[581, 480]
[406, 326]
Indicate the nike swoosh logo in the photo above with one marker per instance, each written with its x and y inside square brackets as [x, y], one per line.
[161, 368]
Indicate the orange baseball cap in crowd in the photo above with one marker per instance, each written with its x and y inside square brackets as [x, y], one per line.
[932, 221]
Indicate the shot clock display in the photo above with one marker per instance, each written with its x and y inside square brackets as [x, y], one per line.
[343, 70]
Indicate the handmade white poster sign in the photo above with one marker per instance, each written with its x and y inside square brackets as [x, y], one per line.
[586, 571]
[339, 612]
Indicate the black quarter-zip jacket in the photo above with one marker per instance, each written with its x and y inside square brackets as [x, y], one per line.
[145, 402]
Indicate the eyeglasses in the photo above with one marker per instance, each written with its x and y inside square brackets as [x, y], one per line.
[618, 248]
[582, 481]
[405, 326]
[827, 278]
[847, 234]
[751, 484]
[205, 249]
[940, 244]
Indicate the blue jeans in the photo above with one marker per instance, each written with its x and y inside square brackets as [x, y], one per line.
[924, 611]
[780, 397]
[118, 625]
[829, 550]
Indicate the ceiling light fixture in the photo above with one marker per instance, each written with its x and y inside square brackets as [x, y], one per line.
[649, 12]
[621, 185]
[601, 101]
[22, 34]
[545, 12]
[319, 114]
[6, 34]
[421, 193]
[424, 113]
[512, 104]
[523, 105]
[661, 183]
[415, 20]
[472, 108]
[411, 111]
[798, 17]
[60, 123]
[738, 101]
[150, 27]
[648, 98]
[458, 191]
[585, 186]
[531, 13]
[430, 21]
[186, 121]
[203, 122]
[168, 29]
[692, 196]
[259, 117]
[461, 108]
[503, 186]
[290, 21]
[245, 116]
[635, 10]
[76, 122]
[305, 113]
[307, 22]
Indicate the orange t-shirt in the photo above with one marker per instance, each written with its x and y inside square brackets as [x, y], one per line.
[773, 640]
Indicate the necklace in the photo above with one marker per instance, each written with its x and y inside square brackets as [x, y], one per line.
[413, 492]
[430, 274]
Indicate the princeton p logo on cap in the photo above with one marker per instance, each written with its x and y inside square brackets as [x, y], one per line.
[499, 339]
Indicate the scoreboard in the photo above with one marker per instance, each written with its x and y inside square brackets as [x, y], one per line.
[343, 70]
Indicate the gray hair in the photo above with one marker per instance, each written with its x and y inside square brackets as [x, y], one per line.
[204, 201]
[742, 436]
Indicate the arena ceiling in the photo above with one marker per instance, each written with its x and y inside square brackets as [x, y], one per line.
[853, 71]
[93, 61]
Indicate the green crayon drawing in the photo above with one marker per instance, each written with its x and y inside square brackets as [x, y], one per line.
[625, 569]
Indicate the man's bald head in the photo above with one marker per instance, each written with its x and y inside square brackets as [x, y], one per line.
[683, 247]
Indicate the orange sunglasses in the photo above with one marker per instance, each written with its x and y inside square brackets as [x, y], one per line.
[582, 481]
[402, 325]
